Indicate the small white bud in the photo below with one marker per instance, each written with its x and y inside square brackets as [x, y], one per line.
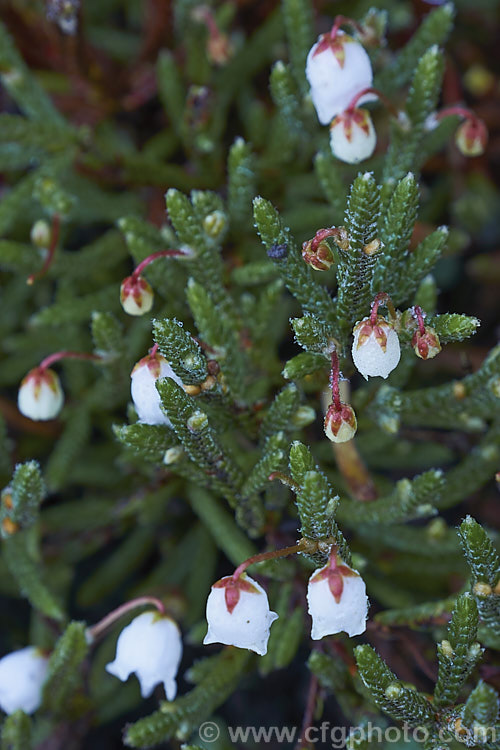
[143, 389]
[22, 676]
[238, 614]
[375, 349]
[352, 136]
[40, 395]
[150, 646]
[136, 295]
[337, 70]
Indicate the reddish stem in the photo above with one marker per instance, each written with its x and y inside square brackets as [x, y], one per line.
[96, 630]
[67, 355]
[272, 555]
[334, 380]
[344, 20]
[153, 350]
[54, 239]
[284, 479]
[382, 97]
[160, 254]
[308, 719]
[467, 114]
[382, 298]
[420, 318]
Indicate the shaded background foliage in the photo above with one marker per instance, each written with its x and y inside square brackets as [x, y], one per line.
[153, 112]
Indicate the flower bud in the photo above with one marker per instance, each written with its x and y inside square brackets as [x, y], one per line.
[320, 257]
[136, 295]
[143, 389]
[40, 395]
[22, 676]
[337, 70]
[40, 234]
[238, 614]
[337, 601]
[375, 349]
[150, 646]
[340, 423]
[471, 137]
[426, 345]
[352, 136]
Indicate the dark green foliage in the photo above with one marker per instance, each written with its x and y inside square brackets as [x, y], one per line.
[64, 673]
[16, 732]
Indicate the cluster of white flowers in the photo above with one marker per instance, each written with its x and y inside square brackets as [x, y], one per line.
[339, 71]
[238, 611]
[238, 614]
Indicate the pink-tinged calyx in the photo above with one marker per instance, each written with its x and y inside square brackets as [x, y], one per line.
[232, 589]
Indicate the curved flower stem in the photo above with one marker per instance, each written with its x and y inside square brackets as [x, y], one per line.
[54, 239]
[303, 545]
[160, 254]
[67, 355]
[284, 479]
[467, 114]
[382, 298]
[344, 21]
[382, 97]
[95, 631]
[153, 350]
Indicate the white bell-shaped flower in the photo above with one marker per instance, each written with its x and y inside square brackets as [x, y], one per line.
[375, 349]
[150, 646]
[352, 136]
[337, 70]
[40, 395]
[136, 295]
[143, 389]
[337, 601]
[22, 676]
[238, 614]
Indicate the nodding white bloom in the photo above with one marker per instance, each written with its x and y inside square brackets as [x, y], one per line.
[352, 136]
[143, 389]
[150, 646]
[337, 70]
[471, 137]
[40, 395]
[375, 349]
[340, 423]
[136, 295]
[238, 614]
[337, 601]
[22, 676]
[426, 344]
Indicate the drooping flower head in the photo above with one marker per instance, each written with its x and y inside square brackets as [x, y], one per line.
[426, 344]
[340, 423]
[136, 295]
[337, 68]
[317, 253]
[337, 601]
[143, 389]
[471, 137]
[22, 676]
[375, 348]
[238, 614]
[150, 646]
[40, 395]
[352, 136]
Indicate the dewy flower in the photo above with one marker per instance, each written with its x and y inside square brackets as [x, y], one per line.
[337, 69]
[40, 395]
[426, 343]
[352, 136]
[22, 676]
[143, 389]
[375, 349]
[340, 423]
[136, 295]
[238, 614]
[337, 601]
[150, 646]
